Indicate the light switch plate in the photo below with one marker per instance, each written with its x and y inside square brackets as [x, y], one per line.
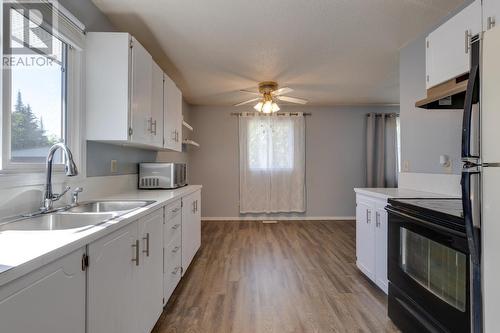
[114, 166]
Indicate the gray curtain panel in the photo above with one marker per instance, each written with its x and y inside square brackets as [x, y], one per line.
[381, 154]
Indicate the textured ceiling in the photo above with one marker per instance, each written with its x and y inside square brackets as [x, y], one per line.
[330, 51]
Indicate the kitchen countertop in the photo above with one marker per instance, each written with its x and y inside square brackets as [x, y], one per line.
[24, 251]
[389, 193]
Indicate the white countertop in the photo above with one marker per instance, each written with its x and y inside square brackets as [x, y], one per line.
[389, 193]
[24, 251]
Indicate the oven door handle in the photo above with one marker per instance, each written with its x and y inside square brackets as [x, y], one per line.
[417, 220]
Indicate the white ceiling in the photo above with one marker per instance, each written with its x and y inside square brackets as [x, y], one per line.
[330, 51]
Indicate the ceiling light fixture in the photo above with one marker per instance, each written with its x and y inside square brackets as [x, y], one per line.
[267, 105]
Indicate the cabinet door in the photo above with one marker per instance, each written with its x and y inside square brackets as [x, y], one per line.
[172, 115]
[156, 120]
[48, 300]
[381, 248]
[447, 47]
[491, 14]
[140, 103]
[191, 228]
[111, 275]
[149, 283]
[172, 240]
[365, 239]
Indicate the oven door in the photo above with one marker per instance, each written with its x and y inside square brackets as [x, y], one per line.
[428, 270]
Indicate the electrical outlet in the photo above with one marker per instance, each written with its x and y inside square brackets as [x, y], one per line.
[114, 166]
[406, 165]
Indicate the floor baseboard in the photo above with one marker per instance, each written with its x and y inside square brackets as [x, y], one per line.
[281, 218]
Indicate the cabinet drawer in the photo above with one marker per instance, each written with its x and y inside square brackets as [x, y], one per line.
[173, 210]
[172, 229]
[173, 267]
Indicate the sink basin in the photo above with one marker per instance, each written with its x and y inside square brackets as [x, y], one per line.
[57, 221]
[109, 206]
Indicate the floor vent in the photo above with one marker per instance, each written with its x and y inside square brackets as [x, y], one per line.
[269, 221]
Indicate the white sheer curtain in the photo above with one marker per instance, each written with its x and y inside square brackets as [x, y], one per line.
[272, 163]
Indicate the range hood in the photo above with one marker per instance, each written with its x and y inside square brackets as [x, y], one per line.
[447, 95]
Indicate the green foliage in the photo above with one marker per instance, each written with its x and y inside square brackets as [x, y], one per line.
[26, 130]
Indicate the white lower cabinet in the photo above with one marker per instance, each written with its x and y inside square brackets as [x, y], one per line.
[191, 228]
[116, 284]
[125, 287]
[371, 239]
[172, 238]
[48, 300]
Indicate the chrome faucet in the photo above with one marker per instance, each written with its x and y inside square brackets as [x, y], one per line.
[69, 168]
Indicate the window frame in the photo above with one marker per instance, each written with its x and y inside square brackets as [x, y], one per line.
[74, 109]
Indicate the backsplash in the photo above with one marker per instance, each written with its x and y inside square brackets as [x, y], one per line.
[100, 155]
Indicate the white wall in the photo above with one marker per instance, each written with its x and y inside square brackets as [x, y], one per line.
[335, 158]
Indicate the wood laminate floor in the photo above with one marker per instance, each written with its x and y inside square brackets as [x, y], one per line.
[285, 277]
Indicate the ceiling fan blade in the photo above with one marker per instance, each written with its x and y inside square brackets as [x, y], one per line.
[250, 92]
[249, 101]
[282, 91]
[292, 99]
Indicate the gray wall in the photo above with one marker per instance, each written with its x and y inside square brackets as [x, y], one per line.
[425, 135]
[335, 158]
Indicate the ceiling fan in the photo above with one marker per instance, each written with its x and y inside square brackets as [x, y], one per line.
[269, 94]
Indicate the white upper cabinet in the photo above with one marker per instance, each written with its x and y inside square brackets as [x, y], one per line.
[155, 123]
[172, 115]
[491, 14]
[140, 101]
[448, 47]
[119, 85]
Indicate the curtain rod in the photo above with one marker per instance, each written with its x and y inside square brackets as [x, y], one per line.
[265, 114]
[381, 114]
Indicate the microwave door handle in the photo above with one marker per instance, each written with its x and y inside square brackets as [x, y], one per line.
[470, 100]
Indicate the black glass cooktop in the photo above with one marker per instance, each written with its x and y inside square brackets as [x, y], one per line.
[451, 207]
[443, 211]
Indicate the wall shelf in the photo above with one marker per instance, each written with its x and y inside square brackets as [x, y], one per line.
[189, 127]
[190, 142]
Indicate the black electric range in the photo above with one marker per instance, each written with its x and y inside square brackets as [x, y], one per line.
[428, 265]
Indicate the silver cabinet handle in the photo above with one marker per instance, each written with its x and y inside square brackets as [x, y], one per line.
[368, 216]
[468, 36]
[147, 244]
[176, 210]
[176, 226]
[153, 127]
[150, 124]
[194, 206]
[136, 247]
[176, 249]
[377, 219]
[177, 269]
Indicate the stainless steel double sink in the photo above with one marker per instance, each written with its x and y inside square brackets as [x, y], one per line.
[86, 214]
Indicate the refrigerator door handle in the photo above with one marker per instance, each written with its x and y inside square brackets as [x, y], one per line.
[469, 134]
[471, 206]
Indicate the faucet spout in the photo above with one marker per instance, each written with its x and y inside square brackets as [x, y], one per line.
[69, 168]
